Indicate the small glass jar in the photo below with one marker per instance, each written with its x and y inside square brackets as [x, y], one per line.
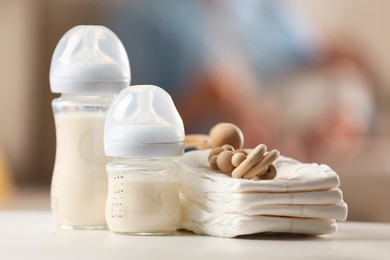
[143, 196]
[79, 183]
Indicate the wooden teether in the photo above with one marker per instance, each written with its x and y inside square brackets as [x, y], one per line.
[262, 166]
[227, 154]
[250, 160]
[219, 135]
[239, 164]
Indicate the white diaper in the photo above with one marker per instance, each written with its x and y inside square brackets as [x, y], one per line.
[231, 225]
[303, 198]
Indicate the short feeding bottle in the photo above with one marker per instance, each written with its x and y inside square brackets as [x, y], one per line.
[89, 67]
[145, 132]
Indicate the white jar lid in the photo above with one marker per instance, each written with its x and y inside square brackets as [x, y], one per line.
[89, 59]
[143, 122]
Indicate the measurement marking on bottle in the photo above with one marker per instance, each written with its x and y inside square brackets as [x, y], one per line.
[117, 210]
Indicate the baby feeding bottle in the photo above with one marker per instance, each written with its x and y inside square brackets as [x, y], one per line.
[145, 132]
[89, 66]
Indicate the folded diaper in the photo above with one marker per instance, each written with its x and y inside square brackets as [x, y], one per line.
[292, 176]
[303, 198]
[333, 211]
[250, 199]
[231, 225]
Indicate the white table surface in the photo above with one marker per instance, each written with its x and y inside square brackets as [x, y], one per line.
[32, 235]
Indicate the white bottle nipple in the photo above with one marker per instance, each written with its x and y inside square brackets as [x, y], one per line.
[143, 121]
[90, 51]
[89, 59]
[145, 113]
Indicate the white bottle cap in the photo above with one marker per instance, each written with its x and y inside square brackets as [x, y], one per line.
[89, 59]
[143, 122]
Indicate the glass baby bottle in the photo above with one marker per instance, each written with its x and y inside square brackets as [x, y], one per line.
[89, 67]
[145, 132]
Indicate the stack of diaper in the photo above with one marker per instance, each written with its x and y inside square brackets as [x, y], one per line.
[303, 198]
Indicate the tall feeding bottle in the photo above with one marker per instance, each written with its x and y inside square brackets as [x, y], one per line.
[89, 67]
[146, 133]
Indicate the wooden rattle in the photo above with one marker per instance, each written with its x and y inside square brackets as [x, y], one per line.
[250, 161]
[262, 166]
[225, 159]
[240, 164]
[219, 135]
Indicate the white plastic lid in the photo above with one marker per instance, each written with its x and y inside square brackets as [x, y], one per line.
[89, 59]
[143, 122]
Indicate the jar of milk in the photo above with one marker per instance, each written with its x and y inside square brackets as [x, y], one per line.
[145, 132]
[89, 67]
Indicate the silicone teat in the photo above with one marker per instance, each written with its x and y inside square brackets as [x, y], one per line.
[90, 51]
[89, 59]
[145, 113]
[143, 121]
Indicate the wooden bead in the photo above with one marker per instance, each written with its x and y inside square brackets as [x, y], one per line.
[238, 158]
[215, 151]
[228, 147]
[213, 162]
[226, 133]
[241, 151]
[224, 161]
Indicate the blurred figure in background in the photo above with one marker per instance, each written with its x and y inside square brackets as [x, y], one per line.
[328, 110]
[244, 62]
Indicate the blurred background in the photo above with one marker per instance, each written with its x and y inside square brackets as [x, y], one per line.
[307, 77]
